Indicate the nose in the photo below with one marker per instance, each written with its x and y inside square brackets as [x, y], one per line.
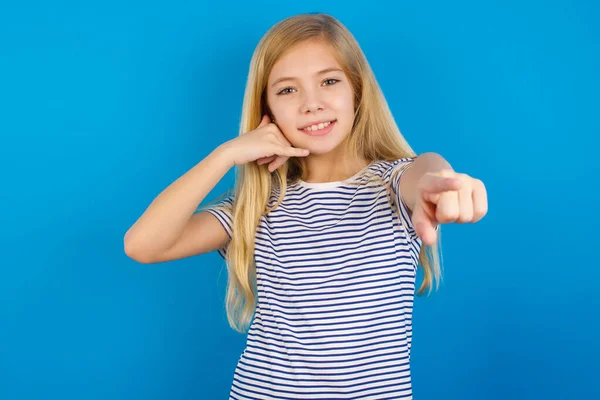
[311, 102]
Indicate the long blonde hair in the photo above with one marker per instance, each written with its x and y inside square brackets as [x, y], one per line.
[374, 135]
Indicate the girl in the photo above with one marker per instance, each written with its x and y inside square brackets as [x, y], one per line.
[324, 229]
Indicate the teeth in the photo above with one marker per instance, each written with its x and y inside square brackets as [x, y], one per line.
[317, 127]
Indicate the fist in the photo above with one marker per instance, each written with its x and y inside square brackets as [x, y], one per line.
[444, 197]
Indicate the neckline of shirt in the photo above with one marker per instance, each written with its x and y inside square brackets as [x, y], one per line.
[334, 184]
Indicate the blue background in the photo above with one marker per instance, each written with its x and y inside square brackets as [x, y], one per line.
[104, 105]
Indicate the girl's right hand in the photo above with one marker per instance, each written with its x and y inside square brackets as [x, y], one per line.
[264, 144]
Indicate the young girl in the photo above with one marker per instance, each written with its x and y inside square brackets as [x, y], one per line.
[324, 229]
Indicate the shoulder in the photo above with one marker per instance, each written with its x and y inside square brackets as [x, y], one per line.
[392, 169]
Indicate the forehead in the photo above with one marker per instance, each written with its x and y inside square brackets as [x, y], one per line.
[304, 60]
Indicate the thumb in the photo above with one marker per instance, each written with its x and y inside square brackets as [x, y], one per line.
[264, 121]
[424, 222]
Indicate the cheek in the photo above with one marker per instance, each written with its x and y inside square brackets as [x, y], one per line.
[344, 110]
[289, 132]
[281, 112]
[345, 102]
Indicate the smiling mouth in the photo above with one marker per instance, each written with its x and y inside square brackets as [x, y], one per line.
[320, 129]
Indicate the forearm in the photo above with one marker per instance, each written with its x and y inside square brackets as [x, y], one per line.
[426, 162]
[163, 222]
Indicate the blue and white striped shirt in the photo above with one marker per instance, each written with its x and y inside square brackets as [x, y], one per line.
[335, 273]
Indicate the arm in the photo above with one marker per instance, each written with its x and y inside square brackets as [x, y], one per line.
[436, 194]
[168, 229]
[426, 162]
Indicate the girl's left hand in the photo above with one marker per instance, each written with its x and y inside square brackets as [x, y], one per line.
[447, 196]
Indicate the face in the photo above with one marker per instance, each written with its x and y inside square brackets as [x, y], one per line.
[307, 85]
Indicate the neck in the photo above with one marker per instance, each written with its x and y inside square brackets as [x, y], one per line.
[332, 168]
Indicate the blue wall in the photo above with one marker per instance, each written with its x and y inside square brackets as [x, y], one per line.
[102, 106]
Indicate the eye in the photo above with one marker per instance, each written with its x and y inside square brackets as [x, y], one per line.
[332, 79]
[283, 91]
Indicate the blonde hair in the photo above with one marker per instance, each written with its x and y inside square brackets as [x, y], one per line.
[374, 135]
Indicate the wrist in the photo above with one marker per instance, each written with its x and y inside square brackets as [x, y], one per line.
[225, 152]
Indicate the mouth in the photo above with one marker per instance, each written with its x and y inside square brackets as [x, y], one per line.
[320, 129]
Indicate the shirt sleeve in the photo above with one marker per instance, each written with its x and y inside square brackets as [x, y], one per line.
[223, 212]
[403, 165]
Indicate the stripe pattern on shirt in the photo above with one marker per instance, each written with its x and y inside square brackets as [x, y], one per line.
[336, 269]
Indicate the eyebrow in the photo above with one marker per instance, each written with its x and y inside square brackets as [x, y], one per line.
[289, 78]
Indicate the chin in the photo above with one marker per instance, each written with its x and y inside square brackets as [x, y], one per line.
[320, 148]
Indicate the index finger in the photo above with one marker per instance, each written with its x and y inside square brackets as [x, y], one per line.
[438, 184]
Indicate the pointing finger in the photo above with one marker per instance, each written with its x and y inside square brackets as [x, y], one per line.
[438, 184]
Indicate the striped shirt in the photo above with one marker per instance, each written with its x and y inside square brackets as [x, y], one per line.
[335, 273]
